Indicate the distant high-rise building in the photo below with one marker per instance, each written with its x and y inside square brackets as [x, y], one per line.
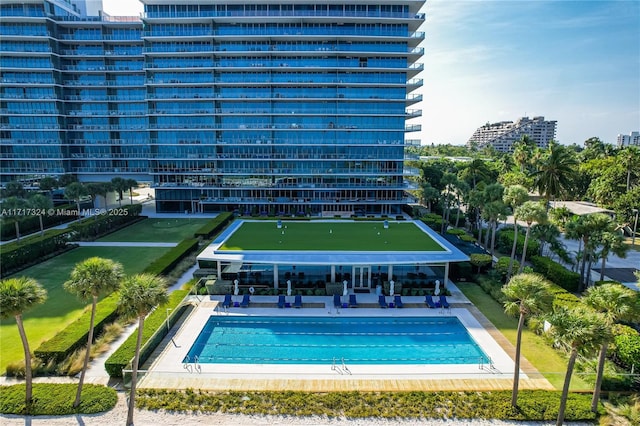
[287, 107]
[503, 134]
[632, 138]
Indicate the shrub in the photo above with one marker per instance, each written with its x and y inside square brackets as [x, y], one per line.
[171, 258]
[121, 358]
[213, 226]
[467, 238]
[502, 266]
[456, 231]
[16, 255]
[75, 334]
[432, 220]
[30, 224]
[556, 273]
[481, 260]
[626, 346]
[56, 399]
[504, 243]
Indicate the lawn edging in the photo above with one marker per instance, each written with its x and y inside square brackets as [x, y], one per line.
[214, 226]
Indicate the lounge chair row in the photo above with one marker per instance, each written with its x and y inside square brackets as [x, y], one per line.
[227, 302]
[337, 302]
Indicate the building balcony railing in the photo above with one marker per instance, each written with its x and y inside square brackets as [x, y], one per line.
[285, 14]
[308, 32]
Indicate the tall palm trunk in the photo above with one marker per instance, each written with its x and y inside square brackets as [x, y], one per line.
[604, 262]
[513, 249]
[134, 373]
[524, 249]
[88, 352]
[584, 263]
[599, 374]
[41, 225]
[28, 375]
[516, 372]
[567, 382]
[494, 225]
[17, 230]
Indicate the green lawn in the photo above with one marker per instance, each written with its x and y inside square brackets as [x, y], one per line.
[331, 236]
[157, 231]
[546, 360]
[61, 308]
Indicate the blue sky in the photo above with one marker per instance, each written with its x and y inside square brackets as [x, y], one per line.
[577, 62]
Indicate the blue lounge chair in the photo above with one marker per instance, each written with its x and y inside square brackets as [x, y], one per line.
[428, 299]
[245, 301]
[297, 303]
[336, 301]
[397, 301]
[227, 302]
[382, 301]
[281, 301]
[352, 301]
[443, 301]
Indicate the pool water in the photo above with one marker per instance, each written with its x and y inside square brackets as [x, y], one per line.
[320, 340]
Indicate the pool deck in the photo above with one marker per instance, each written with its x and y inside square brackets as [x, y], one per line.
[165, 368]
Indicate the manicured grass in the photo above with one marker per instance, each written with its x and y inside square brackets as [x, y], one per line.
[157, 231]
[330, 236]
[546, 360]
[61, 308]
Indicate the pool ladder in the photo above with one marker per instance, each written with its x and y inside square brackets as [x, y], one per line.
[492, 367]
[342, 369]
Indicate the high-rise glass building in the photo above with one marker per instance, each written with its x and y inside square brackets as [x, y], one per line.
[292, 107]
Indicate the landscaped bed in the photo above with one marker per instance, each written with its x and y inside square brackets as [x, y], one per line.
[330, 236]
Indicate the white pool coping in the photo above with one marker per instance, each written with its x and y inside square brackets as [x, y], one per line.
[170, 361]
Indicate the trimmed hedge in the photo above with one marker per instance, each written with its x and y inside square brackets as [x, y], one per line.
[626, 346]
[56, 399]
[93, 227]
[122, 357]
[15, 255]
[75, 334]
[556, 273]
[171, 258]
[532, 405]
[214, 226]
[504, 242]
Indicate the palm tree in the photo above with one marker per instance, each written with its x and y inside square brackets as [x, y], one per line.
[90, 279]
[494, 211]
[555, 172]
[587, 228]
[15, 204]
[139, 294]
[131, 183]
[611, 242]
[530, 211]
[75, 191]
[120, 185]
[17, 295]
[580, 330]
[527, 294]
[448, 182]
[630, 157]
[429, 194]
[514, 196]
[40, 203]
[616, 303]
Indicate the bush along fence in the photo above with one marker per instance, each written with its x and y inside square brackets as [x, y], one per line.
[96, 226]
[504, 242]
[155, 329]
[75, 334]
[556, 273]
[214, 226]
[15, 256]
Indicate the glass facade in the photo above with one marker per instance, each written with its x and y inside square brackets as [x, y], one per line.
[264, 108]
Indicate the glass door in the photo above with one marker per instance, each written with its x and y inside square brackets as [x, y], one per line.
[362, 277]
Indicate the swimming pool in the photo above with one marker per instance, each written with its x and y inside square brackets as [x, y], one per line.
[321, 340]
